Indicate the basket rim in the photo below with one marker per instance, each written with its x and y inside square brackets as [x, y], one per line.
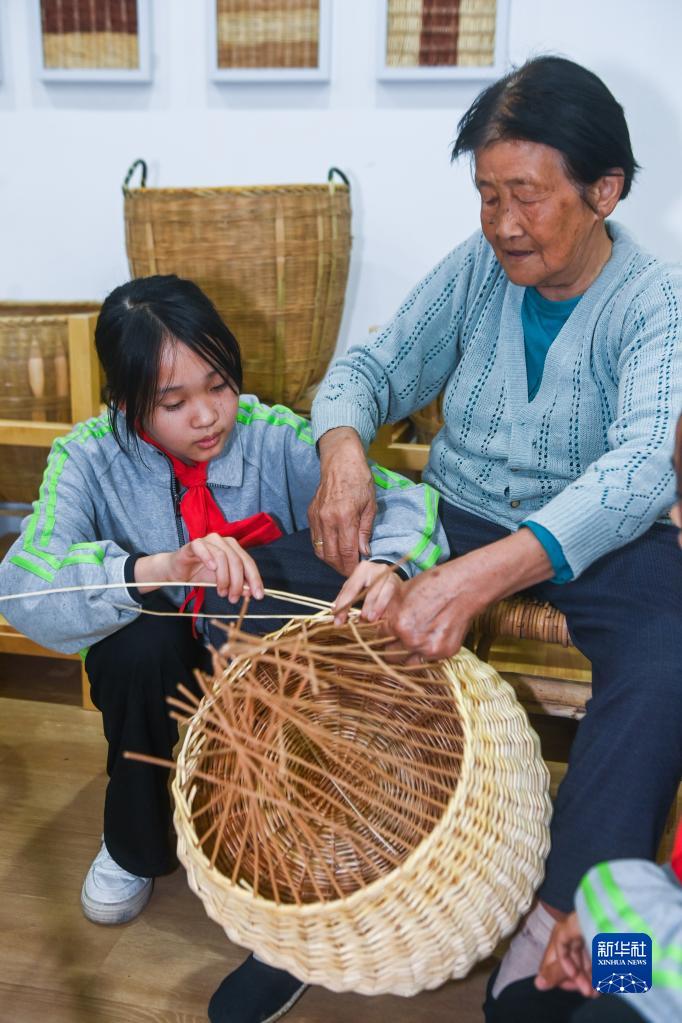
[58, 310]
[329, 187]
[421, 850]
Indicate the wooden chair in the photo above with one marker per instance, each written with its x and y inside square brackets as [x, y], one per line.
[13, 642]
[84, 392]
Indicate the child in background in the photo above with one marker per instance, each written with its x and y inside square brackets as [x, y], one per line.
[619, 896]
[181, 480]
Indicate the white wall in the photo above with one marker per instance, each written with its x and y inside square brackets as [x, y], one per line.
[64, 149]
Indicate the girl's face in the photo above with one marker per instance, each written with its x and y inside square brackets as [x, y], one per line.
[195, 410]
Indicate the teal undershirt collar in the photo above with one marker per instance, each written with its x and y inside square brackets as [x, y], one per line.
[542, 320]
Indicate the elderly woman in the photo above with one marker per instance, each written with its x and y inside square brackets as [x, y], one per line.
[556, 341]
[609, 898]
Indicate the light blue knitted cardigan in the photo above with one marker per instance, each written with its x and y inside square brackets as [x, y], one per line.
[589, 457]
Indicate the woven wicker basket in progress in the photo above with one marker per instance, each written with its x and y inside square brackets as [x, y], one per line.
[365, 826]
[273, 259]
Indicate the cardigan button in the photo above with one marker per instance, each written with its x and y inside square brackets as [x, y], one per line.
[514, 504]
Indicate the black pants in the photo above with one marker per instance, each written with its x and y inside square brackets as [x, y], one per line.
[523, 1003]
[132, 672]
[607, 1009]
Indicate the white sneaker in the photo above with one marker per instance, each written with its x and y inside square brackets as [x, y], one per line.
[110, 895]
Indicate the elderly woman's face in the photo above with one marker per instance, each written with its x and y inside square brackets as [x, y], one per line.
[540, 227]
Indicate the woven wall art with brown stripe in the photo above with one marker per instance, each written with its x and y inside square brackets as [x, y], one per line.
[90, 34]
[268, 33]
[440, 33]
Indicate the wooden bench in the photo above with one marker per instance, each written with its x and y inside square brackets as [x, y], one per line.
[84, 401]
[13, 642]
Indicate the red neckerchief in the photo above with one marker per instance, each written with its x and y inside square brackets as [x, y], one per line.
[201, 515]
[676, 859]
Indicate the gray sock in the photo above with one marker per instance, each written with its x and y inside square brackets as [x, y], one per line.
[524, 955]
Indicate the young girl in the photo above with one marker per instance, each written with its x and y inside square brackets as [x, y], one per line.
[178, 481]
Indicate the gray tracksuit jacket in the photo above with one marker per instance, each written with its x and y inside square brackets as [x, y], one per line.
[99, 504]
[636, 896]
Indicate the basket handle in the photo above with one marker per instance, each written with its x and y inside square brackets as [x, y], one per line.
[330, 177]
[131, 171]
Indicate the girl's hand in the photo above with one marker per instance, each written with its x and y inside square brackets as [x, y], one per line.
[383, 586]
[213, 559]
[566, 963]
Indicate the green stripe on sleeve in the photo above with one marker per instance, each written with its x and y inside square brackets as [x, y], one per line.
[42, 573]
[92, 548]
[51, 503]
[81, 559]
[594, 906]
[388, 480]
[633, 920]
[431, 559]
[667, 978]
[431, 501]
[45, 508]
[277, 415]
[603, 923]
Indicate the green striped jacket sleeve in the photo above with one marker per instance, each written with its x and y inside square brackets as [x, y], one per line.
[58, 548]
[407, 522]
[625, 896]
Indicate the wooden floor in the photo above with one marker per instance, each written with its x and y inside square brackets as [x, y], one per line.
[57, 967]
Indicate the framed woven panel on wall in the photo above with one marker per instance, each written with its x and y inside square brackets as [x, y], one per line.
[429, 40]
[94, 40]
[269, 40]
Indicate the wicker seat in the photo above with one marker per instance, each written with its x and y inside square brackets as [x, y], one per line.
[521, 618]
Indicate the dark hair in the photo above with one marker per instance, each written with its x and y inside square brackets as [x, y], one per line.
[558, 103]
[136, 321]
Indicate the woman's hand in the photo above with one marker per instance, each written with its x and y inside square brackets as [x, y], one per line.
[382, 585]
[566, 963]
[432, 613]
[343, 509]
[213, 559]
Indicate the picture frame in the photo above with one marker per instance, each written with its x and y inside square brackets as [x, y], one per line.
[128, 57]
[221, 72]
[399, 54]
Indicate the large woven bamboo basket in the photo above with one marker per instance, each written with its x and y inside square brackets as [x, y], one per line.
[364, 826]
[34, 383]
[273, 258]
